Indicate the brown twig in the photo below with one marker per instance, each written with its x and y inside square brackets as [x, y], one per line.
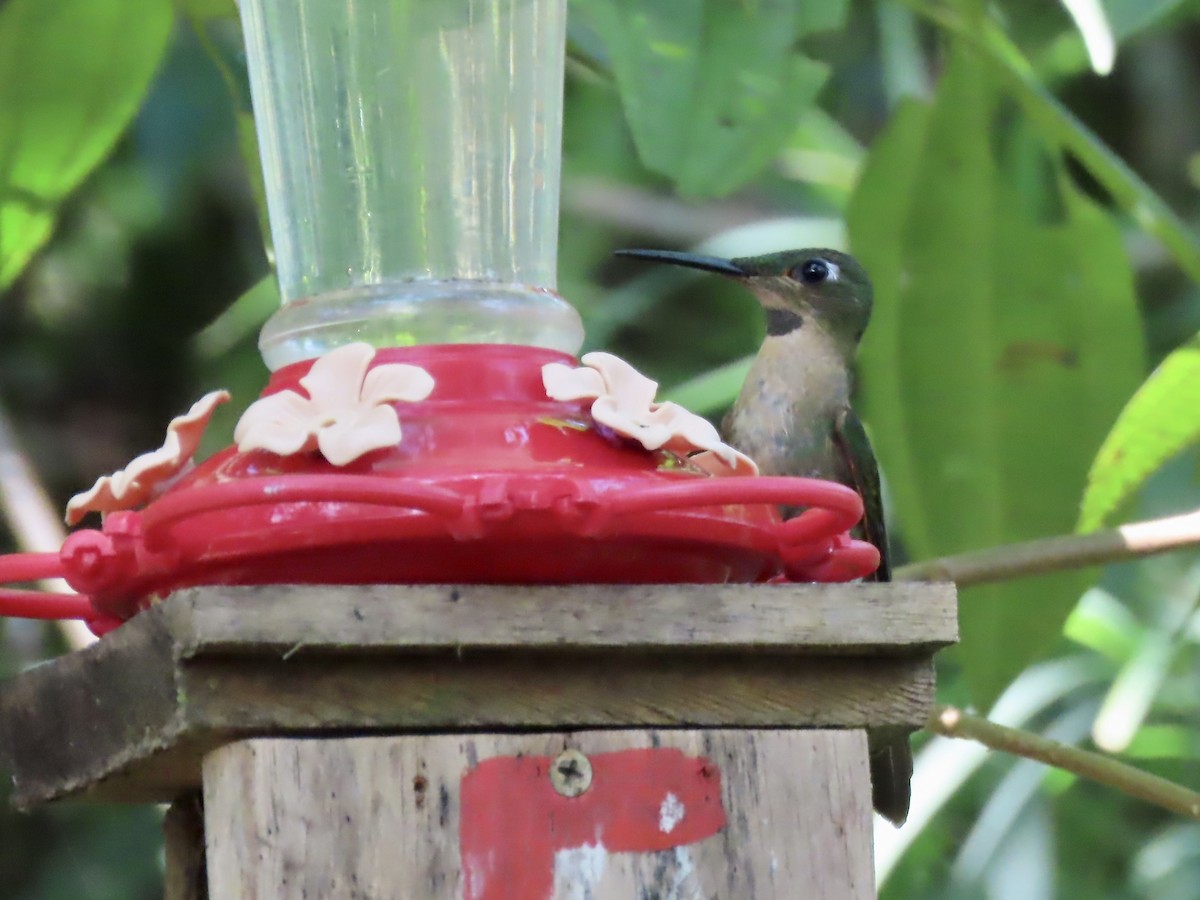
[1071, 551]
[33, 520]
[951, 722]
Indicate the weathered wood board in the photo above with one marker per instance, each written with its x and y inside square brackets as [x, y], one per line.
[754, 815]
[829, 618]
[130, 718]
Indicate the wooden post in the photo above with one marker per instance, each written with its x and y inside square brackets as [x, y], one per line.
[493, 743]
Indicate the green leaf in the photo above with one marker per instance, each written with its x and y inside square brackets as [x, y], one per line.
[1164, 742]
[1000, 344]
[72, 76]
[243, 318]
[201, 14]
[1159, 421]
[1103, 623]
[822, 154]
[1131, 695]
[712, 89]
[248, 145]
[208, 9]
[1058, 125]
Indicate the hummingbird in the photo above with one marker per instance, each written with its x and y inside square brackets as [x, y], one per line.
[793, 414]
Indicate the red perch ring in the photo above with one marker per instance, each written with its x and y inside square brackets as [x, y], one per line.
[492, 482]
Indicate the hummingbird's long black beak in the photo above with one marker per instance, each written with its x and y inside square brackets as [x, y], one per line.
[691, 260]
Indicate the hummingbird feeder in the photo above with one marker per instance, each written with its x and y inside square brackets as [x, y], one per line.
[426, 420]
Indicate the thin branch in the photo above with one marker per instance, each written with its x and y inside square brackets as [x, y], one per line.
[1068, 551]
[951, 722]
[33, 520]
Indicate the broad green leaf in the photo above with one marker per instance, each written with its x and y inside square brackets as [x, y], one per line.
[243, 318]
[1159, 421]
[712, 89]
[72, 75]
[228, 357]
[1164, 742]
[1059, 126]
[1000, 345]
[822, 154]
[208, 9]
[905, 69]
[1103, 623]
[202, 13]
[1129, 698]
[242, 373]
[248, 144]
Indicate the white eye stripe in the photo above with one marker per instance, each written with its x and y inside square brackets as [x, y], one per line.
[815, 270]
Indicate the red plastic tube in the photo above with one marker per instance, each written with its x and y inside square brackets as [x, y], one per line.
[302, 489]
[19, 604]
[24, 604]
[29, 567]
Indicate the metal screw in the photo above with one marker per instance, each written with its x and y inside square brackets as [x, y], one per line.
[571, 773]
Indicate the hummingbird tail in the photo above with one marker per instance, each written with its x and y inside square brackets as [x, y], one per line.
[891, 778]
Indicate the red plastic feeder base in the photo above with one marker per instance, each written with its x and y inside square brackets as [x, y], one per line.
[492, 482]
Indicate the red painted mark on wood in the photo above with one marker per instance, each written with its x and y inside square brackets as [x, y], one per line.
[513, 821]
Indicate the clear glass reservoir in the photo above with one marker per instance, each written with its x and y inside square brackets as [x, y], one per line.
[411, 150]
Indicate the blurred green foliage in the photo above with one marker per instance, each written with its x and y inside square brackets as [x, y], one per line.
[710, 88]
[1159, 421]
[1033, 312]
[63, 111]
[1032, 229]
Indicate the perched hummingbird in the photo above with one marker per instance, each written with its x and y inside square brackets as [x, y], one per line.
[793, 415]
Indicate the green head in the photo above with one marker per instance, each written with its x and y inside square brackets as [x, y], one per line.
[812, 288]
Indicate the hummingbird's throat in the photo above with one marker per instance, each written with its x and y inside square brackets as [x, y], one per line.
[782, 321]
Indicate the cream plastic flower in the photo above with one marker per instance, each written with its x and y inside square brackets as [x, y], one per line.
[138, 481]
[345, 414]
[624, 402]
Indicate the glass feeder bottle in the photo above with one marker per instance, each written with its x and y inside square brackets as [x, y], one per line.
[411, 152]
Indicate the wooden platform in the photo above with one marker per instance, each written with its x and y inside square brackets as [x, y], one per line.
[131, 718]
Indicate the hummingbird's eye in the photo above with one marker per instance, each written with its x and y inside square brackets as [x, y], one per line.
[814, 271]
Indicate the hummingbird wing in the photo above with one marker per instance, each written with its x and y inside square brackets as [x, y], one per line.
[891, 760]
[859, 460]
